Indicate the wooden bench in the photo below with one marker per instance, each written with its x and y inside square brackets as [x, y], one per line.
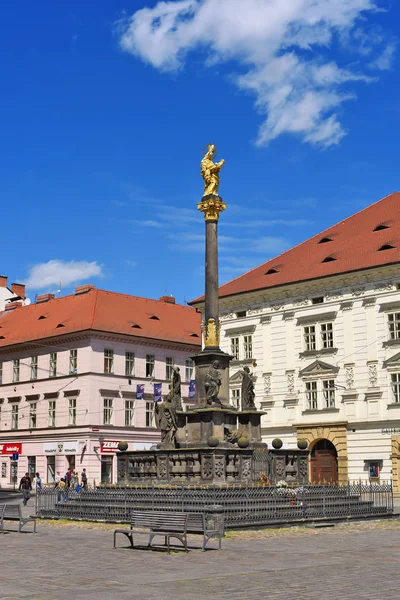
[168, 524]
[172, 524]
[12, 512]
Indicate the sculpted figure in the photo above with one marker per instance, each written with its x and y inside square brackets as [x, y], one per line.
[212, 383]
[247, 389]
[166, 421]
[210, 171]
[176, 388]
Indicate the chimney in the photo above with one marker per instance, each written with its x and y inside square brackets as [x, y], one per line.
[3, 281]
[84, 289]
[44, 298]
[12, 305]
[167, 299]
[18, 289]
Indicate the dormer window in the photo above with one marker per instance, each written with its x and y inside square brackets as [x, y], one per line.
[41, 317]
[154, 318]
[386, 247]
[271, 271]
[381, 227]
[325, 240]
[329, 259]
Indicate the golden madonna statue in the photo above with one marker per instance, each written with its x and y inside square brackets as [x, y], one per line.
[210, 171]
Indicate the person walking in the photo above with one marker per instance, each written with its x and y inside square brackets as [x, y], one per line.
[38, 481]
[68, 477]
[84, 478]
[57, 479]
[25, 486]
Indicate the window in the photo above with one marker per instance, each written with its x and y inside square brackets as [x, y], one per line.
[189, 366]
[129, 412]
[53, 364]
[149, 365]
[312, 395]
[1, 372]
[309, 337]
[108, 361]
[327, 335]
[329, 393]
[16, 370]
[34, 367]
[235, 348]
[32, 415]
[52, 413]
[241, 314]
[129, 364]
[317, 300]
[169, 363]
[396, 387]
[73, 361]
[107, 411]
[235, 397]
[14, 416]
[248, 346]
[72, 411]
[4, 469]
[394, 325]
[149, 414]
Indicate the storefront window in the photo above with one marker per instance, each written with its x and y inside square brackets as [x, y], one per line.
[31, 466]
[106, 469]
[51, 468]
[71, 461]
[4, 469]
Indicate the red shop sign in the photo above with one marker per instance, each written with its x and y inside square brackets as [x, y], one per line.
[109, 446]
[11, 448]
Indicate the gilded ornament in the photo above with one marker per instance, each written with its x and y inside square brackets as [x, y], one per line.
[211, 333]
[210, 170]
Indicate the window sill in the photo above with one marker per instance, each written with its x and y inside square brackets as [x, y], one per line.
[317, 411]
[394, 405]
[322, 352]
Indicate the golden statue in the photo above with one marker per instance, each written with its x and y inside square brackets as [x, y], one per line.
[210, 171]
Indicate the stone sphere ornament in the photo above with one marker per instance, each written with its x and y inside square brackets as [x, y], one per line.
[122, 446]
[277, 443]
[243, 442]
[213, 441]
[302, 444]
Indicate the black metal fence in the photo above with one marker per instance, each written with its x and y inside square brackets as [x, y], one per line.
[243, 506]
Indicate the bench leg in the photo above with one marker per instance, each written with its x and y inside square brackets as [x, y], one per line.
[151, 535]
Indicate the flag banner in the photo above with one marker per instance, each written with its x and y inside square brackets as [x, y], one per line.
[140, 391]
[157, 392]
[192, 388]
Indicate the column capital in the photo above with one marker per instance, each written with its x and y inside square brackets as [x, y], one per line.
[211, 206]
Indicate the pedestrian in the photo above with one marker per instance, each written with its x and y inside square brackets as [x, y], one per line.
[84, 478]
[68, 477]
[57, 479]
[25, 486]
[75, 479]
[38, 480]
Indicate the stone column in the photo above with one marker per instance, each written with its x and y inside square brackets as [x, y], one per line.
[211, 272]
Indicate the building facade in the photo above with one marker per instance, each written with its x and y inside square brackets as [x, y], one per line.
[11, 294]
[70, 369]
[320, 327]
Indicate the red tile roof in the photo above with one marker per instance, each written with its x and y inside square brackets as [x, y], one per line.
[351, 245]
[100, 310]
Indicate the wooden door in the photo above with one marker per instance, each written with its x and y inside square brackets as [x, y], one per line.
[324, 462]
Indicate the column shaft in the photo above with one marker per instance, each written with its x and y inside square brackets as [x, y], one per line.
[211, 307]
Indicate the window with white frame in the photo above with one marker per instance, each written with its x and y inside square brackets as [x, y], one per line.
[34, 367]
[16, 367]
[53, 364]
[32, 415]
[72, 411]
[52, 413]
[394, 325]
[189, 367]
[149, 414]
[108, 360]
[169, 363]
[129, 413]
[235, 348]
[107, 411]
[395, 377]
[149, 365]
[14, 416]
[235, 397]
[318, 337]
[320, 394]
[73, 361]
[129, 364]
[248, 346]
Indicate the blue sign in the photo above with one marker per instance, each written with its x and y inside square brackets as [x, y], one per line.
[192, 388]
[157, 392]
[14, 456]
[140, 391]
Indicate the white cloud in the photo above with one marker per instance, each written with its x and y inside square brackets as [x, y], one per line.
[54, 272]
[281, 47]
[384, 61]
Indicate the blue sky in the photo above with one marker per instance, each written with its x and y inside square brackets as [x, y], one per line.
[106, 106]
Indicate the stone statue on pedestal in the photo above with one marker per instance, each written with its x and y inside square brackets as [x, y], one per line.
[166, 422]
[248, 394]
[175, 388]
[212, 383]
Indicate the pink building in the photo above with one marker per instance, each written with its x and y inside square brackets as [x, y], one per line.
[70, 371]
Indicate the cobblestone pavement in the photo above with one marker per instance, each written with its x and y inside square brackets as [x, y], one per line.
[73, 561]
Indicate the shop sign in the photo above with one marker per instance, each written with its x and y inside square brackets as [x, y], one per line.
[11, 448]
[61, 448]
[109, 446]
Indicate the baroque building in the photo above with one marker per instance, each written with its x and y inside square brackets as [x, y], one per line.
[77, 375]
[320, 327]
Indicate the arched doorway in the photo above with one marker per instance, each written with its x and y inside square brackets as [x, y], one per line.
[323, 462]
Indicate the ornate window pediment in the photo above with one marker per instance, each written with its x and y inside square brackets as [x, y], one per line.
[392, 362]
[319, 368]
